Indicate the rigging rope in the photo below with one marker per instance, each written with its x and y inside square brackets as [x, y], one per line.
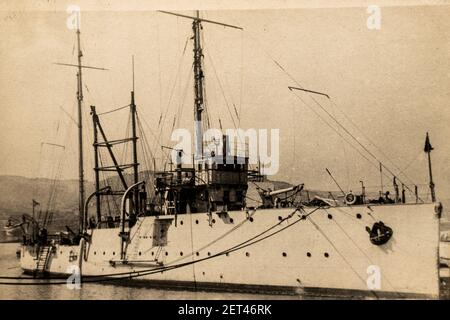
[221, 90]
[127, 136]
[147, 154]
[241, 90]
[159, 66]
[135, 274]
[351, 135]
[353, 146]
[336, 130]
[363, 252]
[371, 141]
[357, 141]
[342, 256]
[181, 59]
[113, 110]
[183, 98]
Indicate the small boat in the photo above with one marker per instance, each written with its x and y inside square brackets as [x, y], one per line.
[12, 225]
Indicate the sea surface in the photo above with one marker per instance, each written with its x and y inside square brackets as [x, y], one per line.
[9, 266]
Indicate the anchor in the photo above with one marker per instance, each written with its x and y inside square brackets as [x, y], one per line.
[380, 233]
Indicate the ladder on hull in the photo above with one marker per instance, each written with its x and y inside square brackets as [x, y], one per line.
[134, 241]
[42, 260]
[135, 254]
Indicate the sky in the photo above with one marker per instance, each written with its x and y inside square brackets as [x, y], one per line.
[388, 86]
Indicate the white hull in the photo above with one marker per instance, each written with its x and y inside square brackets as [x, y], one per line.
[339, 259]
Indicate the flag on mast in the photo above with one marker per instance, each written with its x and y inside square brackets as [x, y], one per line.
[428, 149]
[428, 146]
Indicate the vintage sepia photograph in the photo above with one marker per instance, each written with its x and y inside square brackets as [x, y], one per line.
[224, 150]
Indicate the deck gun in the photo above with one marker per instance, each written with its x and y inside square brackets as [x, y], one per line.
[270, 200]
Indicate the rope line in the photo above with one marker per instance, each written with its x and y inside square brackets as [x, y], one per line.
[362, 251]
[359, 143]
[113, 110]
[342, 256]
[134, 274]
[293, 79]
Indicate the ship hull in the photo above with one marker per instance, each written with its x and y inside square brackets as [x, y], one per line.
[273, 250]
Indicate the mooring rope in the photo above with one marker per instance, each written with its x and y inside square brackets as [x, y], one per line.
[135, 274]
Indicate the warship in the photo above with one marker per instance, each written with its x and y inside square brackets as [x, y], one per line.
[192, 227]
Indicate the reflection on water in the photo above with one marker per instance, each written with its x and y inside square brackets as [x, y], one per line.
[9, 266]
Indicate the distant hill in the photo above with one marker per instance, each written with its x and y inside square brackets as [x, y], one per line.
[16, 194]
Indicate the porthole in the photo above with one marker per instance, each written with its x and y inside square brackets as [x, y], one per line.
[308, 254]
[181, 253]
[247, 254]
[251, 219]
[196, 221]
[167, 253]
[284, 254]
[203, 272]
[330, 216]
[213, 221]
[197, 253]
[95, 253]
[181, 222]
[153, 253]
[358, 215]
[60, 252]
[114, 253]
[326, 254]
[231, 220]
[140, 253]
[221, 276]
[209, 254]
[104, 252]
[280, 218]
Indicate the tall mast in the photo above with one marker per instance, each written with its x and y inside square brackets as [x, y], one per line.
[198, 80]
[135, 158]
[95, 120]
[79, 67]
[198, 73]
[80, 130]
